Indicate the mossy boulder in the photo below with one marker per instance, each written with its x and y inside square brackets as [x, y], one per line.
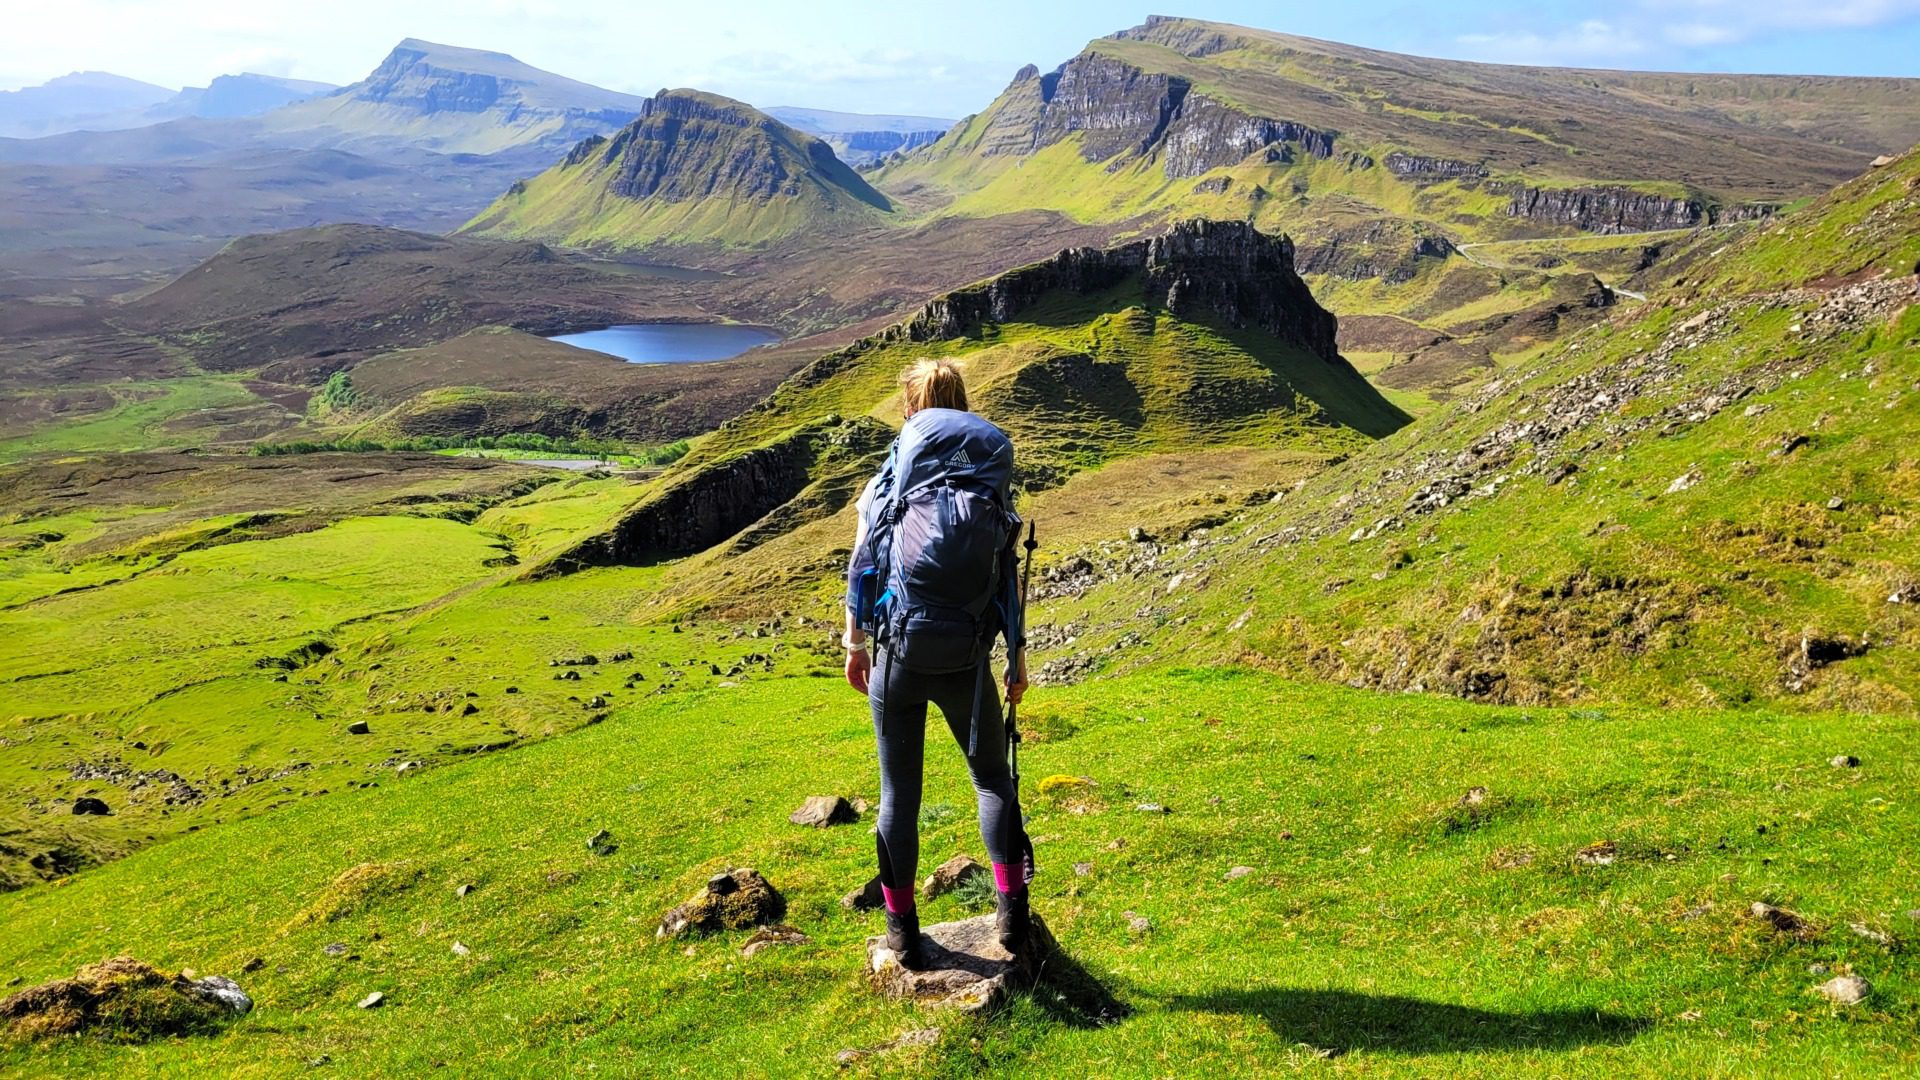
[122, 1000]
[733, 900]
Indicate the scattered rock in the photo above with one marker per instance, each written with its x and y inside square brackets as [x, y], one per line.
[1139, 535]
[821, 811]
[461, 950]
[1882, 161]
[253, 965]
[372, 1001]
[1152, 808]
[135, 1001]
[1784, 921]
[902, 1041]
[88, 805]
[1845, 989]
[865, 898]
[1845, 761]
[733, 900]
[1836, 503]
[601, 843]
[336, 948]
[963, 966]
[1082, 869]
[1878, 937]
[950, 875]
[359, 727]
[1684, 481]
[462, 890]
[1238, 872]
[766, 937]
[1137, 923]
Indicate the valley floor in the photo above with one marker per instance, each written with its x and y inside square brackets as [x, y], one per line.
[1585, 914]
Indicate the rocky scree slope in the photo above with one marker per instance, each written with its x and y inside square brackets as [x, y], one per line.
[1707, 503]
[691, 168]
[1202, 336]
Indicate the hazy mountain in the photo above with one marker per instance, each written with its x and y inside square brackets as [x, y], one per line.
[862, 138]
[455, 100]
[83, 99]
[245, 94]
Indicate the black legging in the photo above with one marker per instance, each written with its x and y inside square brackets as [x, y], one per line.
[902, 735]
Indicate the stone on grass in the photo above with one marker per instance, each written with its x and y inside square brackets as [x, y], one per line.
[1845, 761]
[733, 900]
[962, 965]
[1784, 921]
[950, 875]
[126, 999]
[865, 898]
[336, 948]
[1845, 989]
[1878, 937]
[1152, 808]
[1136, 922]
[372, 1001]
[1082, 869]
[461, 950]
[769, 936]
[601, 843]
[359, 727]
[902, 1041]
[821, 811]
[1239, 872]
[88, 805]
[1599, 853]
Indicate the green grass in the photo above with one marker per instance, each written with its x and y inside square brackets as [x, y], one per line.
[160, 413]
[1392, 929]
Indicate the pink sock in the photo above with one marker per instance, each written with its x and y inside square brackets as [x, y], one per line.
[1006, 875]
[898, 903]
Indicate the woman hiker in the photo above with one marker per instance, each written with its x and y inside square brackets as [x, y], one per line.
[930, 585]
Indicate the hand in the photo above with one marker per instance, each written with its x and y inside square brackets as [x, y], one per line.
[1017, 680]
[859, 668]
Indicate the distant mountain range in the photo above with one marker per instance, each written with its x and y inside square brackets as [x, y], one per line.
[99, 101]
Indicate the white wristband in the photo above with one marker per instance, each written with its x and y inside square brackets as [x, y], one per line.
[847, 643]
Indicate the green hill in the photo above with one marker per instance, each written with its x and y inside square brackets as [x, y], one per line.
[1631, 631]
[692, 168]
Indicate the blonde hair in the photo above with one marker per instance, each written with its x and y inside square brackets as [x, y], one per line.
[934, 384]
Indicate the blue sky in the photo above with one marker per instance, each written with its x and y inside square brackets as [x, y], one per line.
[943, 59]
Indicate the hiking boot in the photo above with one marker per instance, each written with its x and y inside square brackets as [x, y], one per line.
[903, 937]
[1011, 920]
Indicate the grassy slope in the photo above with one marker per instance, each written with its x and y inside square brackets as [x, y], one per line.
[1393, 929]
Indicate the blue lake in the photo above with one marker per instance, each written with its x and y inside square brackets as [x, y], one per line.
[671, 343]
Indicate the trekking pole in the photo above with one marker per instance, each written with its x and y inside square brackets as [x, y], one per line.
[1026, 583]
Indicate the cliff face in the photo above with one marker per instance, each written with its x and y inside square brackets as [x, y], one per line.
[1224, 270]
[1118, 109]
[1623, 210]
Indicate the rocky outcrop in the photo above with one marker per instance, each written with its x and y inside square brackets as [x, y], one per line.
[1385, 248]
[707, 505]
[1415, 167]
[863, 147]
[1222, 270]
[423, 77]
[1607, 210]
[1119, 110]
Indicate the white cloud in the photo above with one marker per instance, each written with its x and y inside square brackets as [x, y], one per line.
[1672, 27]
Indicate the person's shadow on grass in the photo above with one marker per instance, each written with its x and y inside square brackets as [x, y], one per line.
[1342, 1021]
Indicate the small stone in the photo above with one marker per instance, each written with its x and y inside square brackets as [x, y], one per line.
[359, 727]
[337, 948]
[1784, 921]
[460, 950]
[821, 811]
[1152, 808]
[1845, 989]
[1285, 835]
[601, 843]
[963, 966]
[950, 875]
[1238, 872]
[1139, 535]
[1836, 503]
[769, 936]
[1082, 869]
[87, 805]
[1684, 481]
[1474, 797]
[253, 965]
[221, 991]
[462, 890]
[596, 702]
[1137, 923]
[372, 1001]
[1816, 969]
[865, 898]
[1876, 936]
[1845, 761]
